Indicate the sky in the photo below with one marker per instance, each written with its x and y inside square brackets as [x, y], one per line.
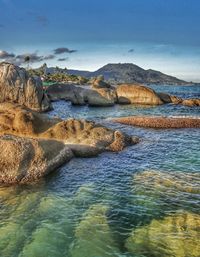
[86, 34]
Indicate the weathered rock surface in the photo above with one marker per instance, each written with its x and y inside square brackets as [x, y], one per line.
[24, 160]
[137, 94]
[37, 144]
[101, 97]
[81, 96]
[159, 122]
[20, 121]
[177, 235]
[18, 87]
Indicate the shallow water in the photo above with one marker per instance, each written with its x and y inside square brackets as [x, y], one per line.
[143, 201]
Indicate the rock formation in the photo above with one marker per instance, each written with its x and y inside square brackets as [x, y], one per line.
[45, 143]
[103, 95]
[18, 87]
[159, 122]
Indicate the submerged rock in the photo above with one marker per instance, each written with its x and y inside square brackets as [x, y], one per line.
[18, 87]
[137, 94]
[25, 160]
[177, 235]
[93, 235]
[159, 122]
[156, 193]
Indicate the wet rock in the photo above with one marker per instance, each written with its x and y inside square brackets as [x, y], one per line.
[137, 94]
[93, 235]
[18, 87]
[159, 122]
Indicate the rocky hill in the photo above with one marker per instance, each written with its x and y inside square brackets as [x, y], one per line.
[131, 73]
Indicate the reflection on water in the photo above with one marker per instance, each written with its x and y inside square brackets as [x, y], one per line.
[141, 202]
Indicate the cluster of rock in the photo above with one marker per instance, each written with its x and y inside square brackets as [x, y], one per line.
[103, 94]
[37, 145]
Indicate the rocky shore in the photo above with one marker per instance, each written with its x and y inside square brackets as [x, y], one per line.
[37, 145]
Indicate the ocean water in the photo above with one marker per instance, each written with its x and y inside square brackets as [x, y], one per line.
[141, 202]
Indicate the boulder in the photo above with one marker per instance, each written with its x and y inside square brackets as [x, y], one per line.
[101, 97]
[30, 159]
[166, 98]
[60, 92]
[18, 87]
[137, 94]
[82, 96]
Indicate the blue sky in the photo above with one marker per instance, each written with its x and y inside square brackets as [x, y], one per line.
[157, 34]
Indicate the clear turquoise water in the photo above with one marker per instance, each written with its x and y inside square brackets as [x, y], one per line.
[94, 207]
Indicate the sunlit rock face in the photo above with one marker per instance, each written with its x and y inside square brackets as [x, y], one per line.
[24, 160]
[176, 235]
[21, 121]
[18, 87]
[137, 94]
[93, 236]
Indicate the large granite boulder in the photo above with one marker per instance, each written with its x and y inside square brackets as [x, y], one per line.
[137, 94]
[25, 160]
[101, 97]
[82, 96]
[60, 91]
[18, 87]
